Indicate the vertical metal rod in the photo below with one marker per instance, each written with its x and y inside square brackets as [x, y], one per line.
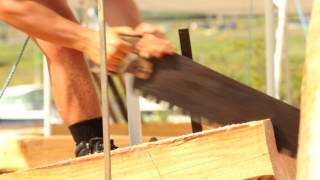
[280, 43]
[46, 99]
[186, 50]
[250, 42]
[104, 88]
[134, 116]
[287, 67]
[270, 40]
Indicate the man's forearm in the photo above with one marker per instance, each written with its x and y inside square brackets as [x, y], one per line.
[41, 22]
[122, 13]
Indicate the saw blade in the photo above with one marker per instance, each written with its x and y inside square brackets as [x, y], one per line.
[206, 93]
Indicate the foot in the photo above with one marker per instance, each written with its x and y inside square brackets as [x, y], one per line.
[95, 145]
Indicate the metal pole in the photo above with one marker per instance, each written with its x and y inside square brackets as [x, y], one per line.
[46, 99]
[280, 37]
[104, 88]
[270, 40]
[186, 50]
[250, 42]
[134, 117]
[287, 67]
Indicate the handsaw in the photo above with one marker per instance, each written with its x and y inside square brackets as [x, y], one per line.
[206, 93]
[203, 92]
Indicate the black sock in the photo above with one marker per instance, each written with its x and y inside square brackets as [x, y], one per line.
[85, 130]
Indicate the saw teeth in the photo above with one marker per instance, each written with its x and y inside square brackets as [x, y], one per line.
[205, 120]
[151, 98]
[185, 112]
[158, 101]
[137, 92]
[196, 116]
[165, 104]
[146, 95]
[143, 94]
[176, 108]
[173, 107]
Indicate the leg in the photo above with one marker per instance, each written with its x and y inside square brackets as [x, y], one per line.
[73, 88]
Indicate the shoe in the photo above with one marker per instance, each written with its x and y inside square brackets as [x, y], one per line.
[95, 145]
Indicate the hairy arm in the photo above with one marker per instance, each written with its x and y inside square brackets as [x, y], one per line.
[38, 19]
[41, 22]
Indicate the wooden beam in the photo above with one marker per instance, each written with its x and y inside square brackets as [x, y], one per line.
[233, 152]
[24, 152]
[156, 129]
[309, 147]
[29, 151]
[153, 129]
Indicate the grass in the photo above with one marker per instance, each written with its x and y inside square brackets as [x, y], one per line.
[224, 51]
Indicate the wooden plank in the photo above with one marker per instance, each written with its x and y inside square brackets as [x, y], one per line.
[24, 152]
[31, 151]
[156, 129]
[233, 152]
[309, 157]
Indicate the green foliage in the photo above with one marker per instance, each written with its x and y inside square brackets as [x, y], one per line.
[25, 72]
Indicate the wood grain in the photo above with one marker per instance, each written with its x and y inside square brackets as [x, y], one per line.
[150, 129]
[160, 129]
[24, 152]
[233, 152]
[309, 147]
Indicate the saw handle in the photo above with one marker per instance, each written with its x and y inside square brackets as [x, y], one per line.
[133, 63]
[132, 39]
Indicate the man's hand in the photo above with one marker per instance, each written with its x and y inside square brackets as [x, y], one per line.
[146, 28]
[151, 46]
[117, 49]
[148, 46]
[153, 42]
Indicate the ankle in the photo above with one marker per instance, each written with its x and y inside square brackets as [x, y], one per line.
[87, 129]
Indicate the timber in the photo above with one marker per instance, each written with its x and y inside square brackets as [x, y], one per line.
[153, 129]
[309, 147]
[24, 152]
[233, 152]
